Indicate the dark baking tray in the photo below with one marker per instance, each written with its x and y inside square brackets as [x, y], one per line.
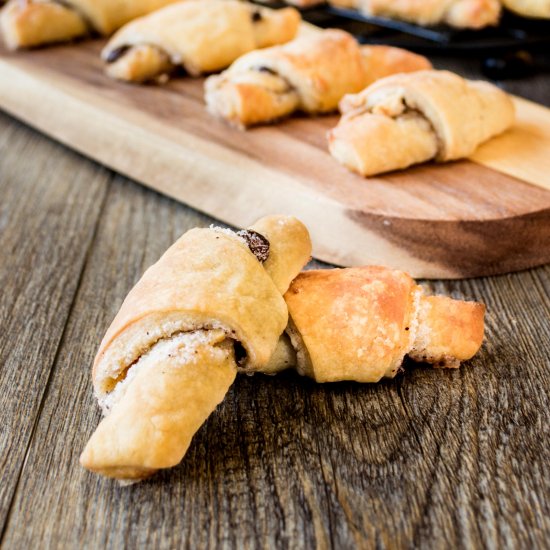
[512, 34]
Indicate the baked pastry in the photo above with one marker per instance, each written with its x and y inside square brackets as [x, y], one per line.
[309, 74]
[529, 8]
[202, 36]
[359, 323]
[470, 14]
[407, 119]
[207, 308]
[30, 23]
[346, 4]
[462, 14]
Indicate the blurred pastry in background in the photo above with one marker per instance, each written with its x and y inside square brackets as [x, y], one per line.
[461, 14]
[31, 23]
[202, 36]
[309, 74]
[464, 14]
[412, 118]
[529, 8]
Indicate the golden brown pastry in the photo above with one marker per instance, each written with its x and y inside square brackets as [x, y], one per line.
[309, 74]
[529, 8]
[30, 23]
[462, 14]
[359, 323]
[206, 308]
[346, 4]
[203, 36]
[407, 119]
[471, 14]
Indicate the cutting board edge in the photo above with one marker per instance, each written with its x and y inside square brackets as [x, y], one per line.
[380, 244]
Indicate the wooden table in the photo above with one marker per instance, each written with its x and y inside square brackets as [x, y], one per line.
[434, 458]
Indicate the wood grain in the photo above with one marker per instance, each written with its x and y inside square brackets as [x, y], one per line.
[49, 208]
[433, 459]
[163, 137]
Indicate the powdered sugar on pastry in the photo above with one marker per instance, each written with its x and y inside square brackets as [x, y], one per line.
[227, 231]
[180, 349]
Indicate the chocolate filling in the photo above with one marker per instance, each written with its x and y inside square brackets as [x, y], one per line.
[262, 69]
[240, 352]
[258, 244]
[116, 54]
[266, 70]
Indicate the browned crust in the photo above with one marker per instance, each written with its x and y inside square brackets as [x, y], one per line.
[358, 324]
[449, 331]
[28, 24]
[353, 321]
[243, 104]
[313, 73]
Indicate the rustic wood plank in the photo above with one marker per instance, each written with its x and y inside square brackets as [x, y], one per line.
[50, 203]
[432, 459]
[138, 227]
[163, 137]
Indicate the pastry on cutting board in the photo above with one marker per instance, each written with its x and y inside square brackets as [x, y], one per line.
[202, 36]
[31, 23]
[412, 118]
[359, 324]
[309, 74]
[529, 8]
[211, 305]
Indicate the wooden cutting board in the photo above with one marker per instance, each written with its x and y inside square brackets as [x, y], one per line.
[437, 221]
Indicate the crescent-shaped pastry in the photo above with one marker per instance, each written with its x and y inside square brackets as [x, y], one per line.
[309, 74]
[529, 8]
[206, 308]
[470, 14]
[202, 36]
[359, 323]
[30, 23]
[407, 119]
